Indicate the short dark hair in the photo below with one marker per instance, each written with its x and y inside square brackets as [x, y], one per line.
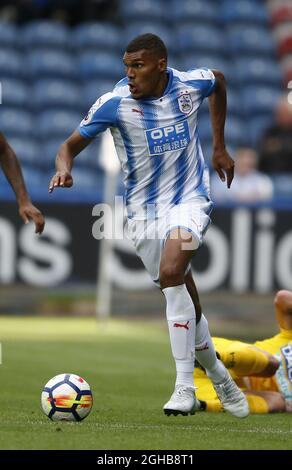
[150, 42]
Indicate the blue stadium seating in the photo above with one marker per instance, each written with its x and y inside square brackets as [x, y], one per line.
[233, 104]
[58, 73]
[97, 35]
[11, 63]
[100, 65]
[56, 94]
[56, 123]
[26, 149]
[87, 179]
[189, 11]
[235, 131]
[257, 126]
[205, 129]
[243, 11]
[93, 89]
[200, 38]
[258, 70]
[16, 93]
[48, 63]
[259, 100]
[34, 178]
[49, 147]
[191, 60]
[141, 10]
[250, 41]
[88, 158]
[46, 34]
[9, 35]
[15, 122]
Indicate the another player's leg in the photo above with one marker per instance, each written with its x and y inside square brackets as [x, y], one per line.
[181, 319]
[247, 360]
[231, 397]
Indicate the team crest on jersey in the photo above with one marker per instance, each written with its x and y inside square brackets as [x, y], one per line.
[185, 103]
[91, 112]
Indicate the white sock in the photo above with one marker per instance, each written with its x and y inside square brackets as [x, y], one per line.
[181, 317]
[205, 352]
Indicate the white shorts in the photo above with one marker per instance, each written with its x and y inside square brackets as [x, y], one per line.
[149, 236]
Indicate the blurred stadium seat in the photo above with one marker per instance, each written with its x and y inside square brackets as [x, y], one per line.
[188, 11]
[46, 34]
[27, 150]
[16, 93]
[34, 178]
[9, 35]
[258, 70]
[235, 131]
[56, 123]
[47, 63]
[56, 94]
[233, 104]
[243, 11]
[11, 63]
[97, 35]
[89, 157]
[212, 61]
[87, 180]
[49, 148]
[15, 122]
[142, 10]
[93, 89]
[58, 72]
[259, 100]
[250, 40]
[200, 38]
[100, 65]
[256, 127]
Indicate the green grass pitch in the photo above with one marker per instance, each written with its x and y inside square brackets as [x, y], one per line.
[131, 373]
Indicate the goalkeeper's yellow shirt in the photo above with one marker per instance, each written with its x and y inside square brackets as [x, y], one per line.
[280, 346]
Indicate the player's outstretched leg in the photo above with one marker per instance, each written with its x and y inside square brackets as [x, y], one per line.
[231, 397]
[181, 319]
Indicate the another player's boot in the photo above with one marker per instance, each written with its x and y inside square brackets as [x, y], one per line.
[231, 397]
[182, 402]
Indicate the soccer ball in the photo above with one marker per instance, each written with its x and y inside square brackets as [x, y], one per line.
[66, 397]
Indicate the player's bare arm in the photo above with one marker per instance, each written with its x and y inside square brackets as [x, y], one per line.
[64, 160]
[221, 161]
[13, 173]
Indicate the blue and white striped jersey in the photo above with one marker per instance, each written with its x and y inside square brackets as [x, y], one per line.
[157, 141]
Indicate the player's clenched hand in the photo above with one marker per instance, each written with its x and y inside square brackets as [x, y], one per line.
[223, 163]
[28, 211]
[61, 178]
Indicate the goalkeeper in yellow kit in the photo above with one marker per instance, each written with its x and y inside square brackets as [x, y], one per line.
[263, 370]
